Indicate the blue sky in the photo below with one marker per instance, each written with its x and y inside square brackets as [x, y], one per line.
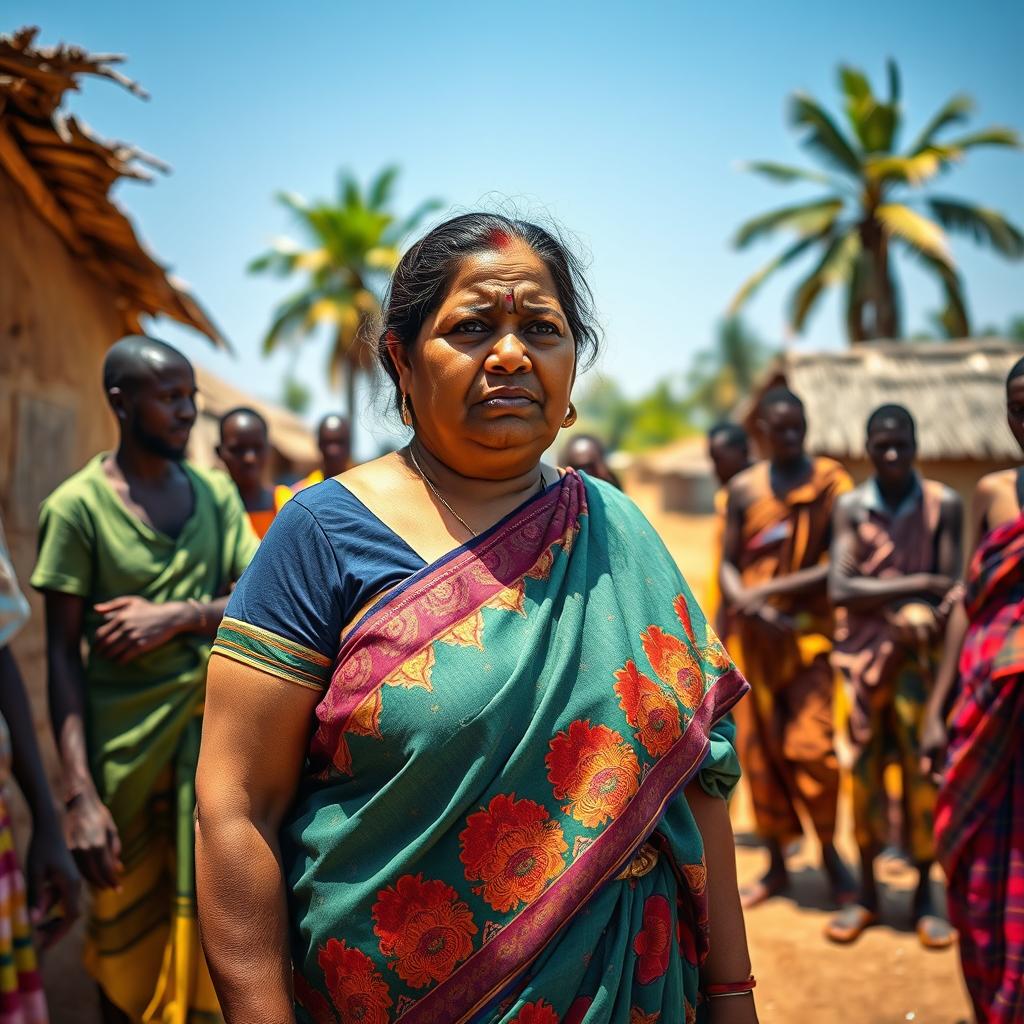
[624, 122]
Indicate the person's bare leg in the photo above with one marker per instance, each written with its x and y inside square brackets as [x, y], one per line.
[841, 881]
[933, 930]
[862, 913]
[773, 882]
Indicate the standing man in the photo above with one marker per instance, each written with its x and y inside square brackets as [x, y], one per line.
[773, 579]
[334, 439]
[729, 451]
[245, 451]
[137, 552]
[896, 549]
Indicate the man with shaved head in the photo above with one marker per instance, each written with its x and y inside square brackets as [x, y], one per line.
[773, 579]
[334, 439]
[896, 543]
[137, 553]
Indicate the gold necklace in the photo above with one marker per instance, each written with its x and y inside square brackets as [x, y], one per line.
[437, 494]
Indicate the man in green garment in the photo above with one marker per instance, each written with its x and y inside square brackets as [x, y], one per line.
[137, 553]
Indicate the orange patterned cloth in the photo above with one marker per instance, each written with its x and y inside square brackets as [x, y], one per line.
[789, 755]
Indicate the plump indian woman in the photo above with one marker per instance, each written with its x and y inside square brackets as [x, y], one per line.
[466, 750]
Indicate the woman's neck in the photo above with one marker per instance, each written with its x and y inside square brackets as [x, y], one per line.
[472, 491]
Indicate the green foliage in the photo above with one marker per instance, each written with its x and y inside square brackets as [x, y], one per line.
[867, 213]
[295, 396]
[677, 407]
[660, 416]
[349, 247]
[725, 373]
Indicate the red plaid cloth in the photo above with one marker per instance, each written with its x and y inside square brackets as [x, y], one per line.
[979, 818]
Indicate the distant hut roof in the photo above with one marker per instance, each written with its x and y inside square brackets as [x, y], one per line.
[67, 173]
[955, 390]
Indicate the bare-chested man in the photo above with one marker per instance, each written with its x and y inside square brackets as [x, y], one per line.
[773, 579]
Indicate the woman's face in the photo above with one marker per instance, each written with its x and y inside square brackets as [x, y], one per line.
[490, 373]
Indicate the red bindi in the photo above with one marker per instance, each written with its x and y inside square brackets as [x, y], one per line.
[499, 239]
[510, 302]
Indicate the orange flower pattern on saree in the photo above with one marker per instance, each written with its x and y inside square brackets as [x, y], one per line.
[536, 1013]
[592, 767]
[425, 927]
[359, 993]
[637, 1016]
[713, 652]
[653, 943]
[515, 848]
[675, 664]
[648, 709]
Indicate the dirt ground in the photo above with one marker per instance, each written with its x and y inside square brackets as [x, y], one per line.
[885, 977]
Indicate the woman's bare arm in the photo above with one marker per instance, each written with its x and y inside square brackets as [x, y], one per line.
[728, 959]
[256, 730]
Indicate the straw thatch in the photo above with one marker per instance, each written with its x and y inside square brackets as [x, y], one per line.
[67, 173]
[955, 391]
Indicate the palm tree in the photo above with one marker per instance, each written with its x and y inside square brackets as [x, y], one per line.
[725, 373]
[866, 213]
[351, 246]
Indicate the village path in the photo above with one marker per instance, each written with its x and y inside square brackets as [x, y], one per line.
[884, 978]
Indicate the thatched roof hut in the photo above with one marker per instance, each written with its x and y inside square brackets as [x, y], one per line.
[65, 174]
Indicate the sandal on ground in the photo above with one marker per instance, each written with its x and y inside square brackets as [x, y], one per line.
[850, 923]
[935, 933]
[762, 890]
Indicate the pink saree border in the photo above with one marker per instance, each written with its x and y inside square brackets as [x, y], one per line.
[519, 943]
[408, 620]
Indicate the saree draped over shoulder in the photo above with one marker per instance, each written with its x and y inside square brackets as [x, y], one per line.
[979, 817]
[491, 826]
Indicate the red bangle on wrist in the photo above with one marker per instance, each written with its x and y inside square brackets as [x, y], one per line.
[730, 988]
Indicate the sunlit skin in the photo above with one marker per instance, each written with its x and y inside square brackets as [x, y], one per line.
[783, 429]
[489, 377]
[245, 452]
[727, 457]
[892, 449]
[334, 439]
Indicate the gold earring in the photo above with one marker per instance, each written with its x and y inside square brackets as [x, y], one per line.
[570, 416]
[406, 415]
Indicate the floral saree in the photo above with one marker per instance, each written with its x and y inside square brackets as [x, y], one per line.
[491, 825]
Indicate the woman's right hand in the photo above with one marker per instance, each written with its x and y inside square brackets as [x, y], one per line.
[93, 841]
[934, 739]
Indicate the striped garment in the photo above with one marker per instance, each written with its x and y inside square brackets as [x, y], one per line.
[979, 820]
[21, 990]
